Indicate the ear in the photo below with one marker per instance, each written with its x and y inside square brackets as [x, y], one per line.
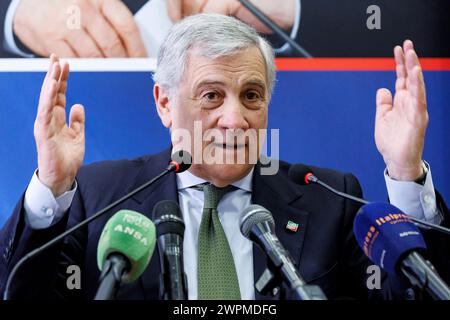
[163, 106]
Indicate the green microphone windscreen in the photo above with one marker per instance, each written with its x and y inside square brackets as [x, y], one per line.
[132, 235]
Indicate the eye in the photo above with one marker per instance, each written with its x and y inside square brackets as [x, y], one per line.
[211, 96]
[253, 99]
[252, 96]
[211, 99]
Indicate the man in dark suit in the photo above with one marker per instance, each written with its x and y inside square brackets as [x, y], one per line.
[216, 75]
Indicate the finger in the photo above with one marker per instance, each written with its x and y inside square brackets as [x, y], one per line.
[226, 7]
[384, 102]
[49, 89]
[62, 86]
[417, 86]
[400, 68]
[47, 103]
[175, 10]
[49, 92]
[77, 119]
[407, 45]
[53, 59]
[83, 44]
[411, 61]
[105, 37]
[63, 49]
[123, 22]
[56, 73]
[400, 84]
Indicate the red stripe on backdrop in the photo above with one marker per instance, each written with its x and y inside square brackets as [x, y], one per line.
[355, 64]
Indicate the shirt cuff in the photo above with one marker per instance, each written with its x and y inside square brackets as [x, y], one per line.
[10, 44]
[296, 26]
[414, 199]
[42, 209]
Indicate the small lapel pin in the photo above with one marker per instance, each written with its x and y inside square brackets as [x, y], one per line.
[292, 226]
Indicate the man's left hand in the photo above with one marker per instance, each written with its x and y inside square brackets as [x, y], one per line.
[401, 122]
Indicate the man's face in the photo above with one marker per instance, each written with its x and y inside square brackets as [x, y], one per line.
[227, 97]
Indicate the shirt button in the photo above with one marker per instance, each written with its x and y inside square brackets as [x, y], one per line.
[409, 294]
[275, 291]
[48, 212]
[427, 198]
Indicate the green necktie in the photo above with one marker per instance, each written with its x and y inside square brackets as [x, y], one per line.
[217, 278]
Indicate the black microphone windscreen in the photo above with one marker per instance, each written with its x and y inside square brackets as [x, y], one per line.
[253, 215]
[182, 159]
[168, 218]
[298, 172]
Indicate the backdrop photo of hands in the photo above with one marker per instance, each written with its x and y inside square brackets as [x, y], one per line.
[136, 28]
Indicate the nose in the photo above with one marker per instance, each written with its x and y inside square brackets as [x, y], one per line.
[233, 115]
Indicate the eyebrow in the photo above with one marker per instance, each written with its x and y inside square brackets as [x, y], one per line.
[254, 82]
[257, 82]
[208, 83]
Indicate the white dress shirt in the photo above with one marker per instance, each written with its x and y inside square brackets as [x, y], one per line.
[43, 210]
[414, 199]
[229, 208]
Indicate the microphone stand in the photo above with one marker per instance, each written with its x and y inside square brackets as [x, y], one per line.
[312, 178]
[272, 278]
[54, 241]
[113, 269]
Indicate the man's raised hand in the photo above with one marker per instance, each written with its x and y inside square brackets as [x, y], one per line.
[60, 147]
[402, 120]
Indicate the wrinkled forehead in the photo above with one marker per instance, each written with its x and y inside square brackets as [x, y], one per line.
[241, 67]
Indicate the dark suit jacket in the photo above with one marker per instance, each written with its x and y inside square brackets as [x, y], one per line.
[324, 247]
[3, 8]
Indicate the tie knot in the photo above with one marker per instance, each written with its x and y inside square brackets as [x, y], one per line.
[213, 195]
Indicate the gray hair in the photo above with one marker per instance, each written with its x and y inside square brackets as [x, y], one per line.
[213, 35]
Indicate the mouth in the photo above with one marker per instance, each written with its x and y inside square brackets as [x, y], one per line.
[230, 146]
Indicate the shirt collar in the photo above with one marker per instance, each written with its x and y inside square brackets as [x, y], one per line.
[186, 180]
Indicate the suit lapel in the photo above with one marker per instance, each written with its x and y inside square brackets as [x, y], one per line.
[279, 195]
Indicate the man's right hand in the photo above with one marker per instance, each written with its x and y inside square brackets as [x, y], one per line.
[106, 29]
[60, 148]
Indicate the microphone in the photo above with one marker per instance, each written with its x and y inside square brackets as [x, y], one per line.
[391, 241]
[124, 250]
[170, 232]
[257, 224]
[274, 27]
[180, 161]
[303, 175]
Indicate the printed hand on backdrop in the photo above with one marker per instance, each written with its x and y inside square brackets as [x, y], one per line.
[401, 122]
[281, 12]
[60, 147]
[106, 28]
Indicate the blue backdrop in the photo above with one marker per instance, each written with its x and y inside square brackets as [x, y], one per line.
[325, 118]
